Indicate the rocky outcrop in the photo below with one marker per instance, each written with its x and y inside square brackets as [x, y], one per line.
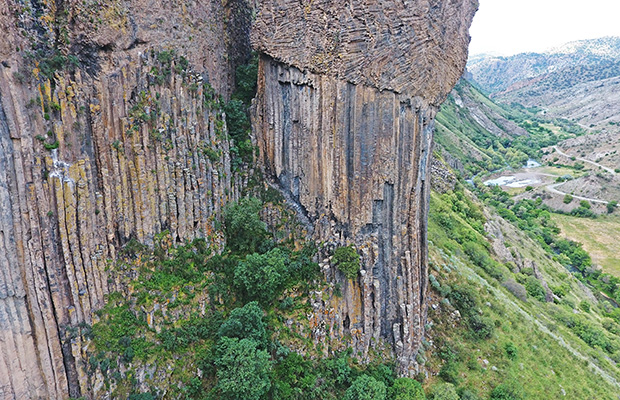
[346, 98]
[105, 135]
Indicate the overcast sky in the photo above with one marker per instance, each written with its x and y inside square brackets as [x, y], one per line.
[507, 27]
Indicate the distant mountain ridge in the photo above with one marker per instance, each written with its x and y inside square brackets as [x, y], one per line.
[608, 46]
[578, 80]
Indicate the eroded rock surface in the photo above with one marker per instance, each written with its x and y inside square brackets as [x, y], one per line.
[344, 120]
[105, 135]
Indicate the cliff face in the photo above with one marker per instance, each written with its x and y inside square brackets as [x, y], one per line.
[105, 135]
[346, 98]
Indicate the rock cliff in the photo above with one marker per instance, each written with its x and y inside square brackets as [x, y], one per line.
[347, 94]
[111, 128]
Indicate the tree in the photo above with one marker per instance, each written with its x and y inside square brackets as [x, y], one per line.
[244, 229]
[242, 370]
[444, 391]
[507, 391]
[347, 260]
[611, 206]
[245, 323]
[407, 389]
[262, 277]
[366, 388]
[534, 288]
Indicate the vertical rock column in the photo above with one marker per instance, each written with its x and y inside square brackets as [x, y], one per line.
[344, 117]
[125, 141]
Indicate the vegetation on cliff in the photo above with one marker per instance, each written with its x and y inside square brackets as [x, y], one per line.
[196, 323]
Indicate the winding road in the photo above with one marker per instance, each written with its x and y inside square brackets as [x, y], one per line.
[553, 187]
[560, 152]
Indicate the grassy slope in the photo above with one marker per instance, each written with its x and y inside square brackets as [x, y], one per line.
[537, 349]
[599, 237]
[468, 118]
[551, 360]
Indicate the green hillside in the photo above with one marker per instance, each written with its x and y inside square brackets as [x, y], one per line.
[518, 310]
[486, 136]
[526, 327]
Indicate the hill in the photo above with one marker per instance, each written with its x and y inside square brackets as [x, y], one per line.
[578, 81]
[519, 308]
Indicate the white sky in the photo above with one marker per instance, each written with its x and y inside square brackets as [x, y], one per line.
[506, 27]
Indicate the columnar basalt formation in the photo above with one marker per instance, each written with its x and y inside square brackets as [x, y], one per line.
[105, 135]
[344, 119]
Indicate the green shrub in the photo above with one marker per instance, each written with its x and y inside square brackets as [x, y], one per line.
[245, 323]
[611, 206]
[568, 199]
[407, 389]
[449, 372]
[467, 394]
[246, 79]
[511, 351]
[294, 378]
[443, 391]
[347, 260]
[338, 370]
[262, 277]
[534, 288]
[561, 290]
[585, 306]
[242, 370]
[245, 232]
[464, 298]
[366, 388]
[51, 146]
[239, 126]
[507, 391]
[481, 327]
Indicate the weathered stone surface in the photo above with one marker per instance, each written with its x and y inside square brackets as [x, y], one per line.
[344, 124]
[414, 47]
[344, 119]
[130, 163]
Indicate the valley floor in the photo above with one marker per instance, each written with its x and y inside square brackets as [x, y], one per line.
[600, 238]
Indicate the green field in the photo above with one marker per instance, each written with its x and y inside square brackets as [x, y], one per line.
[600, 237]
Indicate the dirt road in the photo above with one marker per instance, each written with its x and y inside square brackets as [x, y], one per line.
[560, 152]
[552, 189]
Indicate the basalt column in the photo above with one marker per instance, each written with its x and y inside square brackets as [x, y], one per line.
[344, 119]
[110, 130]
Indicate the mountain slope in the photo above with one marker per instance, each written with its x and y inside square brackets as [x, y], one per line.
[477, 134]
[506, 316]
[578, 81]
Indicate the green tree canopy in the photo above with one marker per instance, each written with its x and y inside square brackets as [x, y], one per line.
[366, 388]
[262, 277]
[407, 389]
[245, 323]
[242, 370]
[444, 391]
[244, 229]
